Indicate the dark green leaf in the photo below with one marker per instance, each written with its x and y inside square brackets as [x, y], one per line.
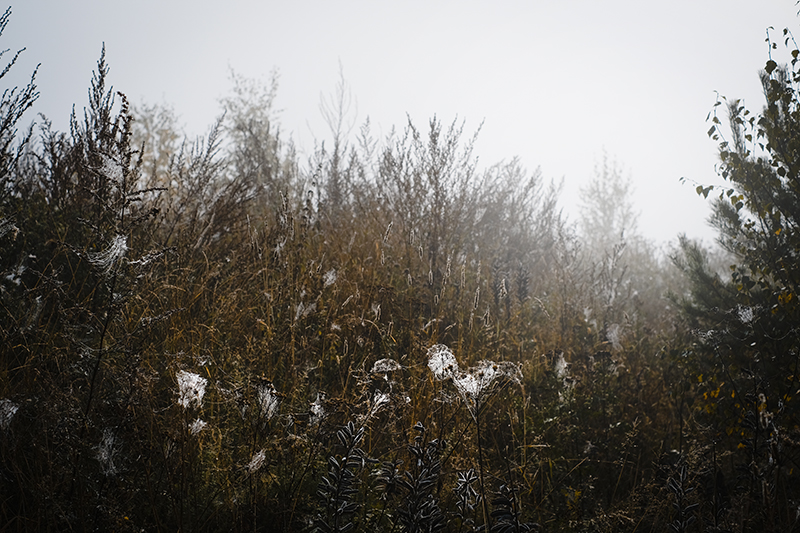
[771, 66]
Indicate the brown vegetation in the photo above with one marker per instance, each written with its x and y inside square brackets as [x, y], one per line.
[216, 336]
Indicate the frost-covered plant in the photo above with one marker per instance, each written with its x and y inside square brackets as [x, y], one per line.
[317, 410]
[268, 399]
[378, 401]
[107, 259]
[197, 426]
[106, 451]
[421, 511]
[256, 462]
[339, 486]
[383, 366]
[7, 226]
[684, 513]
[614, 336]
[561, 367]
[7, 411]
[507, 513]
[468, 497]
[475, 384]
[442, 362]
[191, 389]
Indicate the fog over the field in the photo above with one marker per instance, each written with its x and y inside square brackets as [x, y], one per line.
[557, 84]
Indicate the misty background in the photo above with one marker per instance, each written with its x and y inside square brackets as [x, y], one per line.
[559, 85]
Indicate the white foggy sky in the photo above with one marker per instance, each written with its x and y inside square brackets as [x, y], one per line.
[555, 83]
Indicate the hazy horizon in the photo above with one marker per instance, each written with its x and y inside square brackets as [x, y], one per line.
[557, 86]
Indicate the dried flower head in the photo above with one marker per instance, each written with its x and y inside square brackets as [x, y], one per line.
[378, 401]
[746, 314]
[442, 362]
[561, 366]
[256, 462]
[330, 277]
[191, 389]
[269, 399]
[473, 384]
[317, 410]
[383, 366]
[197, 426]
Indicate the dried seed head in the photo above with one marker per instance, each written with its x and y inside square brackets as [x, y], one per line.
[473, 384]
[197, 426]
[388, 230]
[268, 399]
[256, 462]
[191, 389]
[561, 366]
[383, 366]
[442, 362]
[746, 314]
[330, 277]
[317, 410]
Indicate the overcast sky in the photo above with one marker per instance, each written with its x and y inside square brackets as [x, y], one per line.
[555, 83]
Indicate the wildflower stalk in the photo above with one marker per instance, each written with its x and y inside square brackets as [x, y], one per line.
[474, 386]
[106, 322]
[294, 490]
[484, 505]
